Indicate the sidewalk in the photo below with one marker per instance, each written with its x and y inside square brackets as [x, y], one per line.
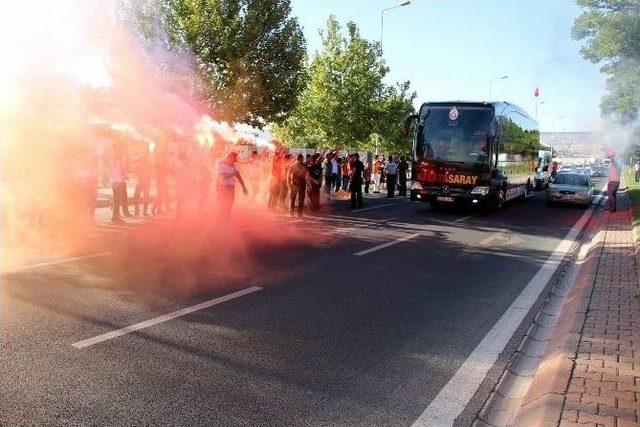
[604, 388]
[579, 363]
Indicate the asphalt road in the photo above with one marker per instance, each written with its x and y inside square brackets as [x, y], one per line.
[343, 331]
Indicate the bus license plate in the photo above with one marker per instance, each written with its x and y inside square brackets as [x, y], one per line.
[445, 199]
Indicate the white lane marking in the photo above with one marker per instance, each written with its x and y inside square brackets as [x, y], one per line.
[464, 218]
[375, 207]
[273, 224]
[386, 245]
[458, 392]
[61, 261]
[165, 317]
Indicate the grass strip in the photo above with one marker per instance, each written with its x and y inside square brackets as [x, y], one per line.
[633, 191]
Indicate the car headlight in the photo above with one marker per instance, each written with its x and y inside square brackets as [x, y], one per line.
[416, 186]
[480, 190]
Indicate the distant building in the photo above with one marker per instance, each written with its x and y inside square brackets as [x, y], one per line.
[574, 144]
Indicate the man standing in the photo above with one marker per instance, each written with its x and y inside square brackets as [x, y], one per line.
[612, 186]
[161, 203]
[636, 170]
[315, 181]
[376, 171]
[344, 172]
[276, 180]
[254, 172]
[367, 178]
[143, 183]
[328, 183]
[391, 170]
[227, 175]
[183, 185]
[403, 167]
[554, 169]
[284, 187]
[335, 172]
[119, 183]
[355, 186]
[298, 183]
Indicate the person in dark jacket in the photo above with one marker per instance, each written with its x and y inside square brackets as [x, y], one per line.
[403, 167]
[298, 185]
[315, 182]
[355, 184]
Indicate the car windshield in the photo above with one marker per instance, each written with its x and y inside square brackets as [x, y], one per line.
[572, 179]
[455, 134]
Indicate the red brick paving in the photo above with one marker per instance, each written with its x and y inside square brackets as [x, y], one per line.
[604, 389]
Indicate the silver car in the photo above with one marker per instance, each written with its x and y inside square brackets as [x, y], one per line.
[570, 188]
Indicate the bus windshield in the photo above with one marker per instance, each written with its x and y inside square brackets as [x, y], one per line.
[454, 134]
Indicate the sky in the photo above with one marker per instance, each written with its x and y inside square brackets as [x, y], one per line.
[451, 49]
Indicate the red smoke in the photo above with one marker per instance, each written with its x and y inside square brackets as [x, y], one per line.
[78, 83]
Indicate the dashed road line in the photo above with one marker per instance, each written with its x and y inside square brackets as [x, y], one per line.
[60, 261]
[164, 318]
[375, 207]
[386, 245]
[464, 218]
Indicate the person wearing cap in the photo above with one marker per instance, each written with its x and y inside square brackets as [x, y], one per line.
[227, 175]
[298, 185]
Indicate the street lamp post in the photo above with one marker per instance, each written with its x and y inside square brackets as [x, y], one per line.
[493, 80]
[406, 3]
[538, 103]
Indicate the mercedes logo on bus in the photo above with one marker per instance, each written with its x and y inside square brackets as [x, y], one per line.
[453, 114]
[446, 189]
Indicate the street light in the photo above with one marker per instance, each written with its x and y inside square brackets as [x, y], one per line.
[493, 80]
[538, 103]
[407, 3]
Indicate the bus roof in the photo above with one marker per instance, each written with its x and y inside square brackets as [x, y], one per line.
[498, 106]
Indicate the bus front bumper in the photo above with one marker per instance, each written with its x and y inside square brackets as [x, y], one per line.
[448, 199]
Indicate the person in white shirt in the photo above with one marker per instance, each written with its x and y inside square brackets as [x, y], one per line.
[376, 171]
[335, 172]
[391, 170]
[227, 175]
[636, 169]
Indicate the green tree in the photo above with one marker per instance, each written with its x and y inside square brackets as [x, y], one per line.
[249, 54]
[346, 103]
[611, 29]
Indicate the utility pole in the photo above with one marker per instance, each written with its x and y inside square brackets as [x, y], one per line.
[406, 3]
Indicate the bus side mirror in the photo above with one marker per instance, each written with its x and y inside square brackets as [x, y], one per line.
[407, 124]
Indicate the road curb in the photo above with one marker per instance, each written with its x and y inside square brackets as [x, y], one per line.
[544, 400]
[531, 390]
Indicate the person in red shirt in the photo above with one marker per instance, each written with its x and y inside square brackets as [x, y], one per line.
[554, 169]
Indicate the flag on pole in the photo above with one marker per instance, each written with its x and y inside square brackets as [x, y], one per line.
[537, 92]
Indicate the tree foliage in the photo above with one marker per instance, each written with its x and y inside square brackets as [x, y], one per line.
[611, 29]
[346, 104]
[249, 54]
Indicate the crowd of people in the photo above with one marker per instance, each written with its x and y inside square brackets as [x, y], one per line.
[293, 179]
[282, 181]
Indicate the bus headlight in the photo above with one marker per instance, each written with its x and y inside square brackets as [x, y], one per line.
[416, 186]
[483, 191]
